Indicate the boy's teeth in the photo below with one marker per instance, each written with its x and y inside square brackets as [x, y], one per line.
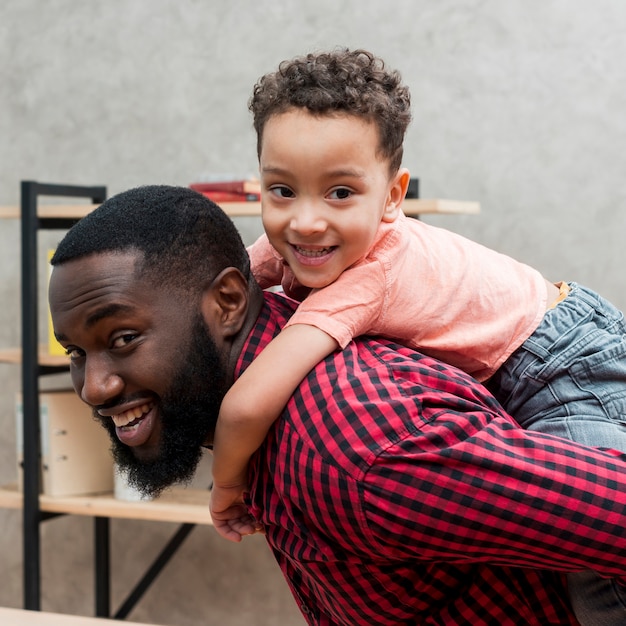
[313, 253]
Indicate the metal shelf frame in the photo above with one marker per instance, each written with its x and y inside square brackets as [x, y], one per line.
[32, 370]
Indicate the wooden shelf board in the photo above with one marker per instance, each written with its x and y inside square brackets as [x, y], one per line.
[177, 504]
[21, 617]
[425, 205]
[411, 207]
[72, 211]
[14, 355]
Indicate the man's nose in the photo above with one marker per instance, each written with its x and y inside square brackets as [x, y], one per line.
[100, 383]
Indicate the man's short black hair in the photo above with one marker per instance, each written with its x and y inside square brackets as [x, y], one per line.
[184, 237]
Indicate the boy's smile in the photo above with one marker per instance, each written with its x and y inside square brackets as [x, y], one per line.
[325, 190]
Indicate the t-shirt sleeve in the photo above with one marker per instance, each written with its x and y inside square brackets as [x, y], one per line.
[267, 264]
[270, 270]
[349, 307]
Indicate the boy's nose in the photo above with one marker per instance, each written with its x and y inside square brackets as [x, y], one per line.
[307, 220]
[100, 384]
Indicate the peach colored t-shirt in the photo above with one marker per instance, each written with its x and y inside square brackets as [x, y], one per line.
[425, 287]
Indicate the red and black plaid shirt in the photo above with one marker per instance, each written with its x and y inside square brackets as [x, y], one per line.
[394, 490]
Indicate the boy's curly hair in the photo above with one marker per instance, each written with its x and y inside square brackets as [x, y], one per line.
[354, 82]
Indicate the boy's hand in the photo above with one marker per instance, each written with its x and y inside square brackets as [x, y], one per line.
[230, 515]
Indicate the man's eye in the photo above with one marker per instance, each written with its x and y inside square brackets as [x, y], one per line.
[282, 191]
[124, 340]
[341, 193]
[74, 353]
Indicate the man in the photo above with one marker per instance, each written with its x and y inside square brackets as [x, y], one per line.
[393, 489]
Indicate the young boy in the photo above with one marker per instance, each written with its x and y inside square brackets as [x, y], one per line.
[330, 131]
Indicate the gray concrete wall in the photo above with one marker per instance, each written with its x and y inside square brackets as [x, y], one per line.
[518, 104]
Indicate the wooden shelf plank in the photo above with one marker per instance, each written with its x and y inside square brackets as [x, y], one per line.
[411, 207]
[21, 617]
[14, 355]
[72, 211]
[177, 504]
[425, 206]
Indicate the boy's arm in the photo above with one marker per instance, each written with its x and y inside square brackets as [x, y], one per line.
[252, 405]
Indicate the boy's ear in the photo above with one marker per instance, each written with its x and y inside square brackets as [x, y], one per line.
[224, 303]
[397, 191]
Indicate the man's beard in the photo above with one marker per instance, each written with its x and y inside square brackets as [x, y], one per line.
[188, 413]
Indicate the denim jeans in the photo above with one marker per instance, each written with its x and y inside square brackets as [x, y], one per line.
[569, 379]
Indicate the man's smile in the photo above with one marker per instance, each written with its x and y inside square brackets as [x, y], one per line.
[127, 417]
[134, 426]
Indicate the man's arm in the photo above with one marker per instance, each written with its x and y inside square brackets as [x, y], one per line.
[502, 496]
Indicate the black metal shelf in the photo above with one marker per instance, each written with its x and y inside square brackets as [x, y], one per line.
[31, 371]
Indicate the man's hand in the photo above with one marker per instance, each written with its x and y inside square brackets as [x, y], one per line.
[230, 515]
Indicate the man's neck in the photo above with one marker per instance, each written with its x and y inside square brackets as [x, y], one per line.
[273, 311]
[255, 303]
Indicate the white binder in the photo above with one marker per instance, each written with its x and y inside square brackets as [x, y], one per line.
[75, 449]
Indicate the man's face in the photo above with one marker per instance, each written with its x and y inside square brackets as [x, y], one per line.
[142, 357]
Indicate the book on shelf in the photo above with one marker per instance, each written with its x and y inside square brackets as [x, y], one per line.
[230, 190]
[230, 196]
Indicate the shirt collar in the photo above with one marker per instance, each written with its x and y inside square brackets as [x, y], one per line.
[275, 312]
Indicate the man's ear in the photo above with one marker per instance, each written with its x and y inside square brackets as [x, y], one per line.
[225, 302]
[397, 191]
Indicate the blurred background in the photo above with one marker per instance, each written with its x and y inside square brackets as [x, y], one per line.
[517, 105]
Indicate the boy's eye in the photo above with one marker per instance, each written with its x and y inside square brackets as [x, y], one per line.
[282, 191]
[341, 193]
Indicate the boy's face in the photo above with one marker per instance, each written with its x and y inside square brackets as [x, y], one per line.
[325, 190]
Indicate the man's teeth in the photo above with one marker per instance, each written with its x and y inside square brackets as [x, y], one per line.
[124, 419]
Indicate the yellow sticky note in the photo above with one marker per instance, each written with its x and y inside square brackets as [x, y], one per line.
[54, 347]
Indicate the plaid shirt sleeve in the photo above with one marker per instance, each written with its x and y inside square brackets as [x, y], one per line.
[395, 490]
[477, 488]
